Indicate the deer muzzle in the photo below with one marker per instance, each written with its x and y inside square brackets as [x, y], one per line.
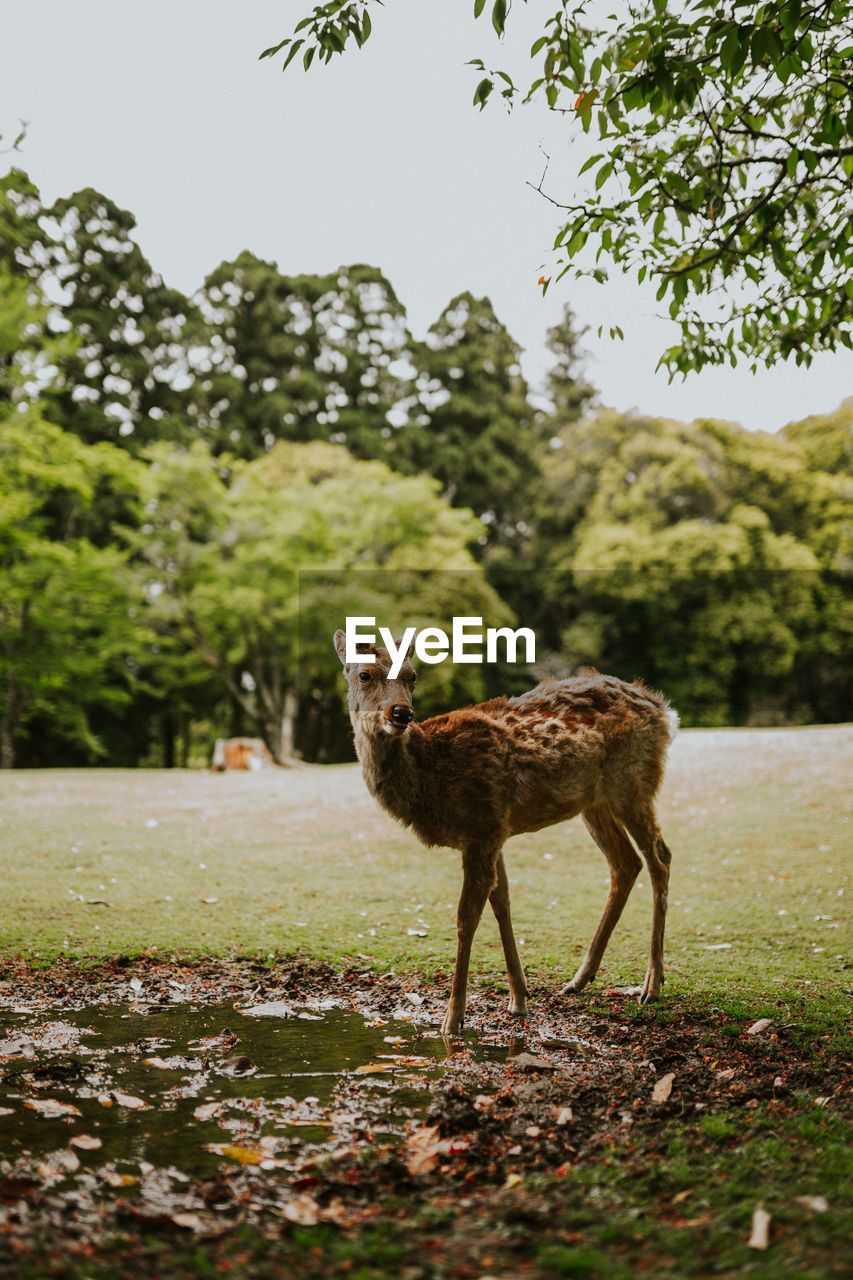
[398, 716]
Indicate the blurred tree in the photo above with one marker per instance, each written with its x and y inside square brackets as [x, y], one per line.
[127, 374]
[713, 613]
[569, 392]
[224, 565]
[826, 439]
[301, 358]
[471, 425]
[690, 554]
[68, 639]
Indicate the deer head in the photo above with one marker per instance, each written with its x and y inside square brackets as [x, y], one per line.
[377, 703]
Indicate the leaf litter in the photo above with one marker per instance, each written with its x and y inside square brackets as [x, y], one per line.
[231, 1106]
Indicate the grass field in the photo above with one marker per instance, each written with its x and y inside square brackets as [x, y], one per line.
[104, 862]
[154, 865]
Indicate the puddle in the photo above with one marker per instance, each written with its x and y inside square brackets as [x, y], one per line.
[126, 1088]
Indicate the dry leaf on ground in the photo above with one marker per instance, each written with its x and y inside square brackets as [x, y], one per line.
[52, 1107]
[663, 1087]
[760, 1237]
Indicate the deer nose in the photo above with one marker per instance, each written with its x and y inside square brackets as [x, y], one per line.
[401, 714]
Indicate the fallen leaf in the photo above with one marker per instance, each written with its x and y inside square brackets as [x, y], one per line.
[482, 1102]
[413, 995]
[128, 1100]
[159, 1062]
[425, 1149]
[136, 984]
[528, 1062]
[760, 1237]
[86, 1142]
[191, 1221]
[208, 1110]
[52, 1107]
[663, 1087]
[726, 1073]
[270, 1009]
[757, 1027]
[239, 1065]
[209, 900]
[562, 1115]
[304, 1211]
[59, 1163]
[512, 1180]
[243, 1155]
[533, 1131]
[115, 1179]
[817, 1203]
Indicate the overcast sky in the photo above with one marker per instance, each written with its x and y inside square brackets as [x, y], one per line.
[379, 157]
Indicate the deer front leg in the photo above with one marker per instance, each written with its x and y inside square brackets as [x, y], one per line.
[478, 878]
[499, 899]
[624, 869]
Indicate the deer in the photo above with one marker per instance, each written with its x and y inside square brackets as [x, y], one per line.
[470, 779]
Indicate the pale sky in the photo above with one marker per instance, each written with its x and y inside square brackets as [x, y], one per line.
[378, 157]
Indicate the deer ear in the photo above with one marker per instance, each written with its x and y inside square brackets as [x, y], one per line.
[341, 645]
[411, 648]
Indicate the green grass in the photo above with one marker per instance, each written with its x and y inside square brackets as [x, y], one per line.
[302, 860]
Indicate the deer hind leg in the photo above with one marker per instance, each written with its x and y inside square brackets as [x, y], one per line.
[499, 899]
[644, 828]
[478, 880]
[625, 866]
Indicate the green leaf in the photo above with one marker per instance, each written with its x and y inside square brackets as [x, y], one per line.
[499, 16]
[481, 93]
[587, 164]
[603, 174]
[274, 49]
[479, 6]
[294, 49]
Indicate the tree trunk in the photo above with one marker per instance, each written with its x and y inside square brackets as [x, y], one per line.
[279, 733]
[288, 720]
[11, 711]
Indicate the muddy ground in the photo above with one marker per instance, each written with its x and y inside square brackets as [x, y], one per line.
[172, 1119]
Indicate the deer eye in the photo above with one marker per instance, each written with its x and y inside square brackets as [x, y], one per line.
[414, 679]
[364, 677]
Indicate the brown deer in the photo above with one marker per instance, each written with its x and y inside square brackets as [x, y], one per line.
[591, 745]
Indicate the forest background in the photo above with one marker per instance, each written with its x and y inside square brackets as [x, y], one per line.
[194, 491]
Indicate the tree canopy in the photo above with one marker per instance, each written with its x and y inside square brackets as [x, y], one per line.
[190, 505]
[725, 169]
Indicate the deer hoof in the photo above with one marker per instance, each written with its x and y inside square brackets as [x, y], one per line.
[649, 998]
[569, 990]
[451, 1026]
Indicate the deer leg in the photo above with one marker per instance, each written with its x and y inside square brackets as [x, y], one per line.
[478, 880]
[651, 844]
[624, 869]
[499, 899]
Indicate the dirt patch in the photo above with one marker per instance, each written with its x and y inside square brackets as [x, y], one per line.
[218, 1128]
